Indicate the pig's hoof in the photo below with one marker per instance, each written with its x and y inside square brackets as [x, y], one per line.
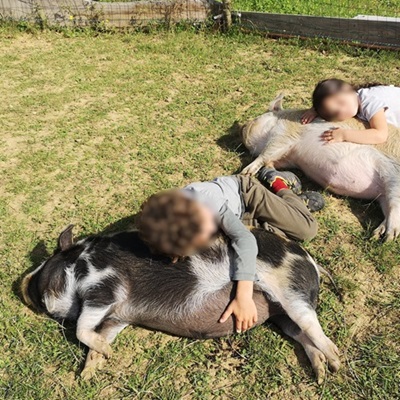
[88, 373]
[333, 357]
[334, 364]
[331, 353]
[103, 348]
[386, 235]
[318, 362]
[94, 361]
[380, 232]
[106, 350]
[253, 168]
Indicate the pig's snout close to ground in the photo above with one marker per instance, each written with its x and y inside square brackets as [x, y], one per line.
[277, 138]
[104, 283]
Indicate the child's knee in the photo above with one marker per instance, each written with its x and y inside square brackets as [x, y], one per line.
[308, 231]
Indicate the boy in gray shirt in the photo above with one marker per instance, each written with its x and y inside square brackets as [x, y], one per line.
[180, 222]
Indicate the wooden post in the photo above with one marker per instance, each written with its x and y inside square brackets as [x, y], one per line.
[227, 14]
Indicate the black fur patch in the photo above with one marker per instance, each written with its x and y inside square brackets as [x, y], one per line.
[102, 294]
[34, 293]
[81, 269]
[147, 277]
[165, 285]
[295, 248]
[304, 280]
[271, 248]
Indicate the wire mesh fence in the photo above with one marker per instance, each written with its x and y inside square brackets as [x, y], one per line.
[369, 22]
[112, 14]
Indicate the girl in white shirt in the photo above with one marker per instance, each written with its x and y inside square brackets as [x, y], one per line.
[337, 100]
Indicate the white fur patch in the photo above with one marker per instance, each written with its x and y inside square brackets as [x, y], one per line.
[211, 277]
[62, 303]
[314, 264]
[94, 276]
[91, 317]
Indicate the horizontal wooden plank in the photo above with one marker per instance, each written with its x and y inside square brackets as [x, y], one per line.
[385, 33]
[116, 14]
[377, 18]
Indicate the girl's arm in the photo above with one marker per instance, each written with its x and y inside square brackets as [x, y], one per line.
[309, 116]
[378, 133]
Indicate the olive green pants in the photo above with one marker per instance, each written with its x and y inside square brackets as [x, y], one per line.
[284, 213]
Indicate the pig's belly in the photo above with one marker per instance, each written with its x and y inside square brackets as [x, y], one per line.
[346, 173]
[204, 323]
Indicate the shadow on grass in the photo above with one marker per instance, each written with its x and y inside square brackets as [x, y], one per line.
[368, 213]
[36, 256]
[231, 141]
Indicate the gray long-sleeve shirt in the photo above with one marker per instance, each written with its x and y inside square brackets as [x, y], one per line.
[222, 196]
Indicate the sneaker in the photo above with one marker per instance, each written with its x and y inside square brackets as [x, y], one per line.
[267, 177]
[313, 200]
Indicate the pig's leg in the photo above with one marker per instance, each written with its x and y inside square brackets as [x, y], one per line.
[272, 154]
[316, 357]
[254, 166]
[306, 318]
[389, 229]
[109, 329]
[89, 319]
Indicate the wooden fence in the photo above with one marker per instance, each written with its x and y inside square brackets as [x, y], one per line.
[80, 13]
[366, 30]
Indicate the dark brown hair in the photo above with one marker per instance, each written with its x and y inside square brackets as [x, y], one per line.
[330, 87]
[169, 223]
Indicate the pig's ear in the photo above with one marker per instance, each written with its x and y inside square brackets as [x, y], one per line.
[65, 240]
[276, 104]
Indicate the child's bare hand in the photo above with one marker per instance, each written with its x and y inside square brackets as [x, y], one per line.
[334, 135]
[309, 116]
[245, 312]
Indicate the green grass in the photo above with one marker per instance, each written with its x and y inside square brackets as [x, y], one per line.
[323, 8]
[91, 125]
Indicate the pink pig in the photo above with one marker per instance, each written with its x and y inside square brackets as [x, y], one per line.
[279, 139]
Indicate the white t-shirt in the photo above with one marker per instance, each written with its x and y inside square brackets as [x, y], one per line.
[376, 98]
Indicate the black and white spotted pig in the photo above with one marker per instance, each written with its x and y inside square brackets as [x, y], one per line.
[105, 283]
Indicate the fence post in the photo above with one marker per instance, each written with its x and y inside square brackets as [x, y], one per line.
[227, 14]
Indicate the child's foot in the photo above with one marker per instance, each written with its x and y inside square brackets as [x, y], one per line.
[313, 200]
[278, 180]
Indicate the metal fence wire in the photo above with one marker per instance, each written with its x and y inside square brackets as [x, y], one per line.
[368, 22]
[110, 14]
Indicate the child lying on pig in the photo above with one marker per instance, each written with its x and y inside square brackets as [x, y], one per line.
[337, 100]
[180, 222]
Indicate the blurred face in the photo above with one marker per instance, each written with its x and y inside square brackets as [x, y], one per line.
[341, 106]
[208, 227]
